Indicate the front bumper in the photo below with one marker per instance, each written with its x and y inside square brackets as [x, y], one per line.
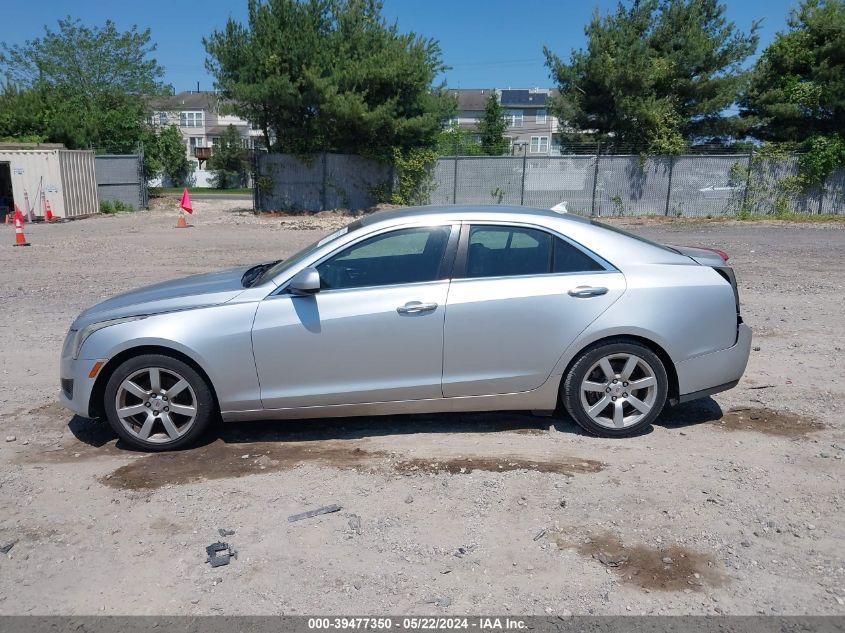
[716, 371]
[76, 375]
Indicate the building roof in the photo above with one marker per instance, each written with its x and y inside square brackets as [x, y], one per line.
[471, 98]
[24, 146]
[523, 98]
[213, 130]
[189, 100]
[474, 99]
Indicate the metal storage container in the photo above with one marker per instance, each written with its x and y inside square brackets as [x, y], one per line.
[31, 178]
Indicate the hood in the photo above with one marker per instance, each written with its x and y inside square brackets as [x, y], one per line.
[195, 291]
[704, 256]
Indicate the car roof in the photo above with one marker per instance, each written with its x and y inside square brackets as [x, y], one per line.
[459, 212]
[610, 243]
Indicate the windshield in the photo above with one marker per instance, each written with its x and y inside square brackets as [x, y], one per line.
[636, 237]
[281, 265]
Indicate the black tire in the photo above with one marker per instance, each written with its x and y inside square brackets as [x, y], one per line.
[200, 392]
[571, 395]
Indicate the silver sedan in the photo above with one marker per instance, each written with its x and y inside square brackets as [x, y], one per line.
[417, 310]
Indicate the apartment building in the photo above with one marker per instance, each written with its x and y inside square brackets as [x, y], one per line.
[531, 128]
[201, 123]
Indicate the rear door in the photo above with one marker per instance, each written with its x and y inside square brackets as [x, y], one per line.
[520, 295]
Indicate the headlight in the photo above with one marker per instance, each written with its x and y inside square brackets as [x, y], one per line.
[67, 347]
[78, 337]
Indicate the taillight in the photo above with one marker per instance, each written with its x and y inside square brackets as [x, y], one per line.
[720, 253]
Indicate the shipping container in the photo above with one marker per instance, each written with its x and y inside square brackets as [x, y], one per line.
[34, 178]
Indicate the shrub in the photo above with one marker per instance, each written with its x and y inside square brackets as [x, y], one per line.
[115, 206]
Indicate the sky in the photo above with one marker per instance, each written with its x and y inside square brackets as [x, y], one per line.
[487, 43]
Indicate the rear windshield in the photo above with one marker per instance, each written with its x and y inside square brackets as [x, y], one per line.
[634, 236]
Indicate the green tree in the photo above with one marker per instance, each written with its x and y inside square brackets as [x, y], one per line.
[492, 128]
[22, 115]
[797, 88]
[164, 154]
[87, 82]
[656, 74]
[229, 161]
[457, 141]
[329, 75]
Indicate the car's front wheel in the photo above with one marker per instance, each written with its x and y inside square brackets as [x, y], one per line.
[616, 388]
[158, 403]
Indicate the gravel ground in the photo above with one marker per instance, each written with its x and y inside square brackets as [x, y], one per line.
[732, 504]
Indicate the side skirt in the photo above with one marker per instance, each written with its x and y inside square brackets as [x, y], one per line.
[544, 399]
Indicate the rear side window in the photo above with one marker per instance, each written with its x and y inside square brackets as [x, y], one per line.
[508, 251]
[568, 259]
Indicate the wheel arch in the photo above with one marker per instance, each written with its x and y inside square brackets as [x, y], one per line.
[95, 402]
[662, 354]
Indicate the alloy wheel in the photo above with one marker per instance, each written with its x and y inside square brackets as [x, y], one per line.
[619, 390]
[156, 405]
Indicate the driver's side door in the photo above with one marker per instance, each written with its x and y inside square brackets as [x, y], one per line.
[373, 332]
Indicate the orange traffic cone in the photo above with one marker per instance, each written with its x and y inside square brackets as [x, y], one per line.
[20, 238]
[180, 223]
[48, 214]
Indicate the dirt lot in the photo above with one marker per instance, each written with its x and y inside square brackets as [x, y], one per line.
[734, 504]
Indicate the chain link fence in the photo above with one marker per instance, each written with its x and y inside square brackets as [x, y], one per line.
[695, 185]
[320, 182]
[690, 185]
[120, 177]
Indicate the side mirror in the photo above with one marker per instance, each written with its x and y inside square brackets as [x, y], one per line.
[305, 282]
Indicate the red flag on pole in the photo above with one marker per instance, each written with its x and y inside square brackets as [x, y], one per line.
[186, 201]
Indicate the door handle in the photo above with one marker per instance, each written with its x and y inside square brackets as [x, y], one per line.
[416, 307]
[583, 292]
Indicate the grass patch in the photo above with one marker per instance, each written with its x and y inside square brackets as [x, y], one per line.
[115, 206]
[160, 191]
[789, 216]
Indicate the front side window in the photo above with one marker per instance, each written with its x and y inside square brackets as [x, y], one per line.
[399, 257]
[541, 116]
[507, 251]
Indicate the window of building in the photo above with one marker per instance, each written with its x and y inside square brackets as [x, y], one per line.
[197, 141]
[514, 118]
[191, 119]
[159, 118]
[539, 145]
[541, 116]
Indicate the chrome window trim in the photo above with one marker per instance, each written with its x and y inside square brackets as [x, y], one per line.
[606, 265]
[455, 227]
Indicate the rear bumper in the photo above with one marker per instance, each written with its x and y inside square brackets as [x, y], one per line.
[714, 372]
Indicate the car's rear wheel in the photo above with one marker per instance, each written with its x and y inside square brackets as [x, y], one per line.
[158, 403]
[615, 389]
